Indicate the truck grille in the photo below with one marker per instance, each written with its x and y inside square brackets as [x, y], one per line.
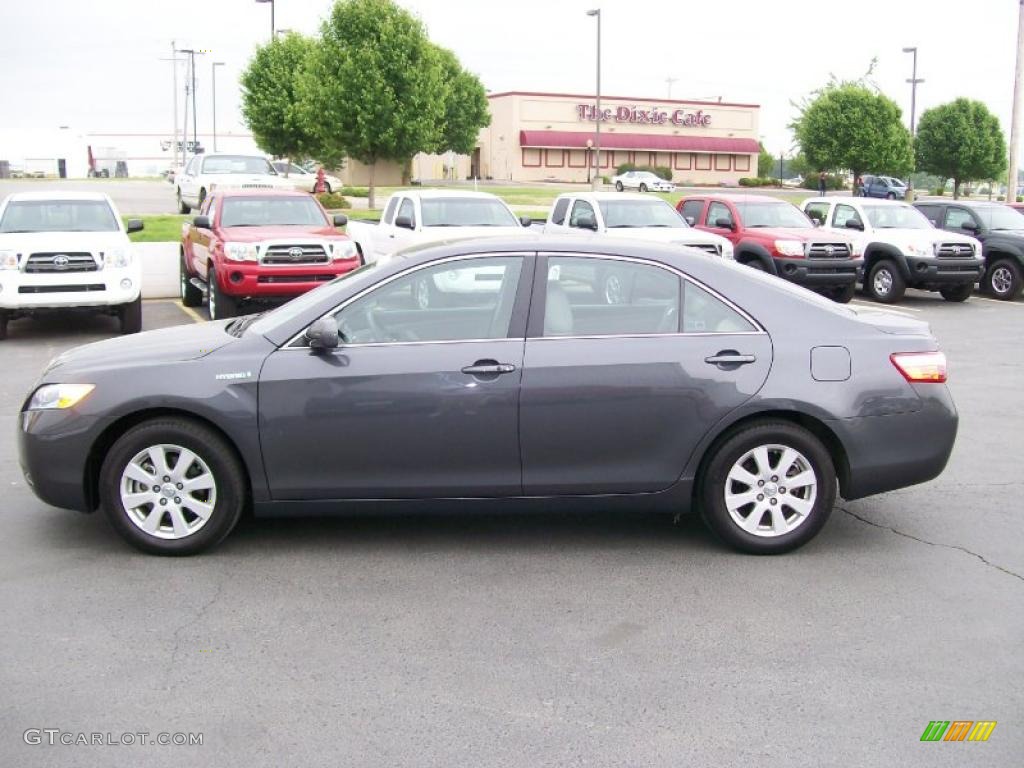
[253, 185]
[953, 250]
[290, 255]
[61, 262]
[828, 251]
[82, 288]
[295, 278]
[711, 248]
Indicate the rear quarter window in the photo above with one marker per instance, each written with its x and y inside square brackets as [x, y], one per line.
[558, 212]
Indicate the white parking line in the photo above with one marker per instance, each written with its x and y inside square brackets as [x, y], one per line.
[997, 301]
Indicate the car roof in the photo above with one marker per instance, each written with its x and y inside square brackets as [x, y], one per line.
[59, 194]
[853, 200]
[967, 203]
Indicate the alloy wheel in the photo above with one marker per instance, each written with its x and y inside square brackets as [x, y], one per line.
[771, 490]
[613, 289]
[168, 491]
[882, 282]
[1002, 280]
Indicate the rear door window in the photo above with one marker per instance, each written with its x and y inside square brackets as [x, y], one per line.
[691, 211]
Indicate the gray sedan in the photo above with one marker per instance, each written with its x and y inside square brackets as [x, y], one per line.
[710, 387]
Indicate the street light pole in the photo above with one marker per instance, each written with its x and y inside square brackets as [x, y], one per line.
[597, 123]
[213, 87]
[914, 80]
[1011, 187]
[272, 25]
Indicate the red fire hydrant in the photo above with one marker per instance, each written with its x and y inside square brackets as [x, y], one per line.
[319, 180]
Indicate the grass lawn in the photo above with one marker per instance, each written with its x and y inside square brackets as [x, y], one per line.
[158, 229]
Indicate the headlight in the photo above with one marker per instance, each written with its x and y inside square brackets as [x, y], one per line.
[789, 247]
[241, 251]
[727, 251]
[917, 250]
[8, 260]
[343, 249]
[117, 258]
[59, 396]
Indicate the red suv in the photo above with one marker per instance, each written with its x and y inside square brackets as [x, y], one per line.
[775, 236]
[260, 244]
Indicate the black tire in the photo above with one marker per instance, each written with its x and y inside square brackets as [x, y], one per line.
[221, 305]
[191, 296]
[643, 187]
[891, 196]
[327, 187]
[211, 449]
[183, 208]
[3, 324]
[715, 483]
[756, 264]
[425, 293]
[885, 283]
[957, 293]
[202, 197]
[843, 294]
[130, 315]
[1003, 279]
[618, 186]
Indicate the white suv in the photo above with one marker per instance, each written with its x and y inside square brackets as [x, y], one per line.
[67, 249]
[204, 173]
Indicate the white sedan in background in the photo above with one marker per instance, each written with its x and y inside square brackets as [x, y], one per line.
[303, 180]
[642, 181]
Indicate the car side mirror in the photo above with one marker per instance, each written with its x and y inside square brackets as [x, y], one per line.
[854, 224]
[587, 221]
[323, 334]
[970, 226]
[201, 222]
[405, 222]
[526, 221]
[724, 223]
[340, 219]
[815, 221]
[134, 225]
[690, 220]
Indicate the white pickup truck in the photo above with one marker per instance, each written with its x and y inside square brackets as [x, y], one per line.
[419, 217]
[63, 249]
[634, 216]
[205, 173]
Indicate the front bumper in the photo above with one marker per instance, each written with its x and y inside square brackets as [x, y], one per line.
[937, 271]
[243, 278]
[817, 273]
[53, 451]
[102, 288]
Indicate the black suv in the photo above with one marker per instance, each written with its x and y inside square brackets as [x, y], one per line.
[1001, 231]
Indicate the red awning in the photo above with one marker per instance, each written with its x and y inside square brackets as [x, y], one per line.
[637, 141]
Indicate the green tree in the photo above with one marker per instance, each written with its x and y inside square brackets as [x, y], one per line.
[765, 163]
[375, 88]
[849, 126]
[270, 102]
[962, 141]
[465, 110]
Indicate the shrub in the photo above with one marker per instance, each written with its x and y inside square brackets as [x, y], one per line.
[333, 201]
[1001, 198]
[939, 191]
[751, 181]
[1020, 199]
[661, 171]
[832, 181]
[354, 191]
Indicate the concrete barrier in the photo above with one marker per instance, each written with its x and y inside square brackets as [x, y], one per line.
[159, 269]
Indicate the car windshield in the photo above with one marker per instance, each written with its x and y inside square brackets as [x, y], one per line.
[237, 164]
[640, 213]
[896, 217]
[1000, 217]
[466, 212]
[297, 211]
[58, 216]
[774, 215]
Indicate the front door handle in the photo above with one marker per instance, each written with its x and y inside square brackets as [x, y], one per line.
[729, 358]
[488, 368]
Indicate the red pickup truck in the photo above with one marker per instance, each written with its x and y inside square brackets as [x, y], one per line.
[260, 244]
[775, 236]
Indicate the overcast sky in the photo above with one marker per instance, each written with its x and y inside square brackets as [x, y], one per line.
[95, 67]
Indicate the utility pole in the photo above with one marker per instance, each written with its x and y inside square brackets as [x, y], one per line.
[914, 80]
[195, 122]
[669, 81]
[213, 87]
[597, 123]
[1011, 187]
[174, 68]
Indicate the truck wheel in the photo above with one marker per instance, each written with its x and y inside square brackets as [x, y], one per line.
[885, 283]
[3, 324]
[768, 488]
[182, 207]
[843, 294]
[618, 186]
[222, 306]
[1003, 280]
[957, 292]
[131, 316]
[172, 486]
[190, 295]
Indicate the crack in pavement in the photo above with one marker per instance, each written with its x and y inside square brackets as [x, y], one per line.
[177, 632]
[989, 563]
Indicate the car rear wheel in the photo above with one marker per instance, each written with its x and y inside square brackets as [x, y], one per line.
[221, 305]
[172, 486]
[885, 283]
[891, 196]
[643, 187]
[1003, 279]
[182, 207]
[130, 315]
[191, 296]
[843, 294]
[618, 186]
[957, 293]
[769, 488]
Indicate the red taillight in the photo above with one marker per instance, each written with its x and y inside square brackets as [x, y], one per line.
[921, 367]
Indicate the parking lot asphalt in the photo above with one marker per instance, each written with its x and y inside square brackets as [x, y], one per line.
[547, 640]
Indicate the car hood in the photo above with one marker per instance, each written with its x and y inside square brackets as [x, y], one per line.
[923, 237]
[259, 234]
[664, 235]
[786, 233]
[242, 180]
[29, 242]
[167, 345]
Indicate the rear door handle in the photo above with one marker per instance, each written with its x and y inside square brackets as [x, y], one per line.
[488, 368]
[730, 357]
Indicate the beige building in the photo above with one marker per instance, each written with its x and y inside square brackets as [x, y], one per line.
[551, 137]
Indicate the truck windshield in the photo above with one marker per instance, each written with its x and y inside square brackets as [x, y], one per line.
[58, 216]
[896, 217]
[271, 212]
[640, 213]
[774, 215]
[466, 212]
[237, 164]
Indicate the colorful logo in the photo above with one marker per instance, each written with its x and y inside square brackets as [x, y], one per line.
[958, 730]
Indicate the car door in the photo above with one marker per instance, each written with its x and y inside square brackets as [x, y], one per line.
[415, 402]
[615, 397]
[718, 211]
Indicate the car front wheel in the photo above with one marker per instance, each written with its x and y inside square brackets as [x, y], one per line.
[769, 488]
[172, 486]
[618, 186]
[182, 206]
[130, 315]
[885, 283]
[191, 296]
[643, 187]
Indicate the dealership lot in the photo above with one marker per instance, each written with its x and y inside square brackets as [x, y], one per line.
[488, 640]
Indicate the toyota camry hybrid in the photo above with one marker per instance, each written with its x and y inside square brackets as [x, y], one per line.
[707, 387]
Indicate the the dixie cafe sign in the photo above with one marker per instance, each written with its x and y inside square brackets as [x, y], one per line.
[651, 116]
